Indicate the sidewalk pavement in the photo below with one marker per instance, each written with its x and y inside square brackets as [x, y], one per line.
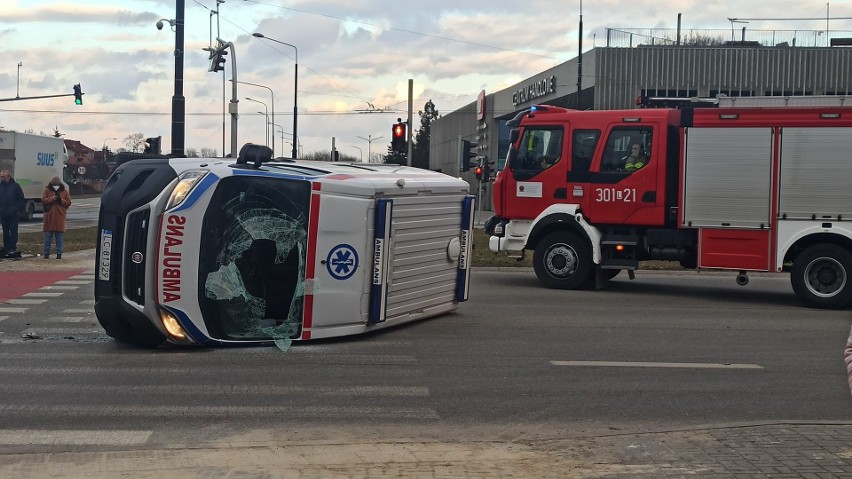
[768, 450]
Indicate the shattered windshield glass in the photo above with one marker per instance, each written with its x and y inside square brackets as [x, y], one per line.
[253, 259]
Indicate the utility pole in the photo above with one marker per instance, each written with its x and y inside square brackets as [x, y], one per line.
[178, 100]
[410, 117]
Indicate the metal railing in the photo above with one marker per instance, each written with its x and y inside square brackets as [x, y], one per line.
[634, 37]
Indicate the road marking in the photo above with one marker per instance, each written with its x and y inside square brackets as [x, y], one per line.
[628, 364]
[60, 288]
[43, 295]
[77, 311]
[3, 317]
[88, 301]
[215, 390]
[13, 310]
[25, 301]
[67, 282]
[100, 411]
[23, 437]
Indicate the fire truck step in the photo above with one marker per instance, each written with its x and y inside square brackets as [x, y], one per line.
[618, 263]
[626, 240]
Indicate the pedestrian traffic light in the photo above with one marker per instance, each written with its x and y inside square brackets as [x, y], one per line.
[78, 95]
[465, 154]
[398, 142]
[479, 171]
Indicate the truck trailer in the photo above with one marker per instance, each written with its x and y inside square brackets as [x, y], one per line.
[758, 188]
[33, 161]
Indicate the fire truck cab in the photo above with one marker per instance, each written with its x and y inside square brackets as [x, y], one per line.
[746, 189]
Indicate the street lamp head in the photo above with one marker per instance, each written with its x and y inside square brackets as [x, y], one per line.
[258, 35]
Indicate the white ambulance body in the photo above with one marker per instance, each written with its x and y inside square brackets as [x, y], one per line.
[208, 251]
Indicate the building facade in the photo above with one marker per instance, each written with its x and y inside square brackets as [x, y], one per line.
[614, 77]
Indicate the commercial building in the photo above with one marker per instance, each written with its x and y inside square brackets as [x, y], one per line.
[614, 76]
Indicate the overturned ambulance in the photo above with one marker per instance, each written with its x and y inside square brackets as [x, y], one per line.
[220, 251]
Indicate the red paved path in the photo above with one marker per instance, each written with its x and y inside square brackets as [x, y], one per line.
[14, 284]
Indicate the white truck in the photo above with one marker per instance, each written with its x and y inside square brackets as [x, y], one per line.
[33, 161]
[217, 251]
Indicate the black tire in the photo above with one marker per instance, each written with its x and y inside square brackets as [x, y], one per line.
[820, 277]
[28, 213]
[562, 260]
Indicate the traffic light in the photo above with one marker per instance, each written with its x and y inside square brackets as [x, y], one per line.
[398, 143]
[78, 95]
[153, 145]
[465, 154]
[479, 170]
[488, 171]
[217, 58]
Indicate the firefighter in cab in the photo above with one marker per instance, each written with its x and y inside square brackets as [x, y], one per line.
[636, 159]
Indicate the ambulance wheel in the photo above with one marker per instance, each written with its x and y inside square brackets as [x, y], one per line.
[562, 260]
[820, 277]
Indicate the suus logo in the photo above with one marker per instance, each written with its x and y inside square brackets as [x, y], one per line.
[45, 159]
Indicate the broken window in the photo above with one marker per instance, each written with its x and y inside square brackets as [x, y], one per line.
[252, 257]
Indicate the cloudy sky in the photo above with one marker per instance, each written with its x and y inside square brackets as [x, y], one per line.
[354, 56]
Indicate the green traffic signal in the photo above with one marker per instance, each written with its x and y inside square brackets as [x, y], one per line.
[78, 95]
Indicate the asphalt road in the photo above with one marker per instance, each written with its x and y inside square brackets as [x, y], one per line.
[516, 362]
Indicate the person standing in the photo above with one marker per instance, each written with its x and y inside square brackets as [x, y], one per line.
[11, 205]
[56, 201]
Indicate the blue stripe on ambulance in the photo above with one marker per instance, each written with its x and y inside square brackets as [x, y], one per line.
[463, 275]
[381, 243]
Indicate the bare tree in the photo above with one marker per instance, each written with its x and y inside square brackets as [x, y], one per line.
[191, 153]
[135, 142]
[208, 152]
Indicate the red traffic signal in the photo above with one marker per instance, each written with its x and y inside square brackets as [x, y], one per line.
[478, 171]
[399, 130]
[398, 141]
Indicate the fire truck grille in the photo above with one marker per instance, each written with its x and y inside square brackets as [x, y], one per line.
[136, 243]
[421, 274]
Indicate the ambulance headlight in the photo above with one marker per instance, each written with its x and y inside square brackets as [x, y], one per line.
[186, 181]
[173, 327]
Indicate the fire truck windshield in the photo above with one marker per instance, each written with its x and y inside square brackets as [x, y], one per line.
[253, 248]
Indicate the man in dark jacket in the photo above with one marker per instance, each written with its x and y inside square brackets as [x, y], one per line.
[11, 204]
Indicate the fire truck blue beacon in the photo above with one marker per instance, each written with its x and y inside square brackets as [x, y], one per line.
[215, 251]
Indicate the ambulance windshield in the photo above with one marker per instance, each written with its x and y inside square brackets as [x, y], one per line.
[252, 252]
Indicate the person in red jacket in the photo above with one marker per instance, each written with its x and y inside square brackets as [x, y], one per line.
[56, 201]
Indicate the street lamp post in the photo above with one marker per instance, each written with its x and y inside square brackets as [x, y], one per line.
[178, 100]
[271, 94]
[106, 140]
[295, 89]
[370, 140]
[360, 151]
[18, 91]
[265, 125]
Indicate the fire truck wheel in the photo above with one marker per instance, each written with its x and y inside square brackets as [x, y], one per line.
[820, 276]
[562, 260]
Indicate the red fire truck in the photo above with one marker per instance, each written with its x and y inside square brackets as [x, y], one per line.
[744, 189]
